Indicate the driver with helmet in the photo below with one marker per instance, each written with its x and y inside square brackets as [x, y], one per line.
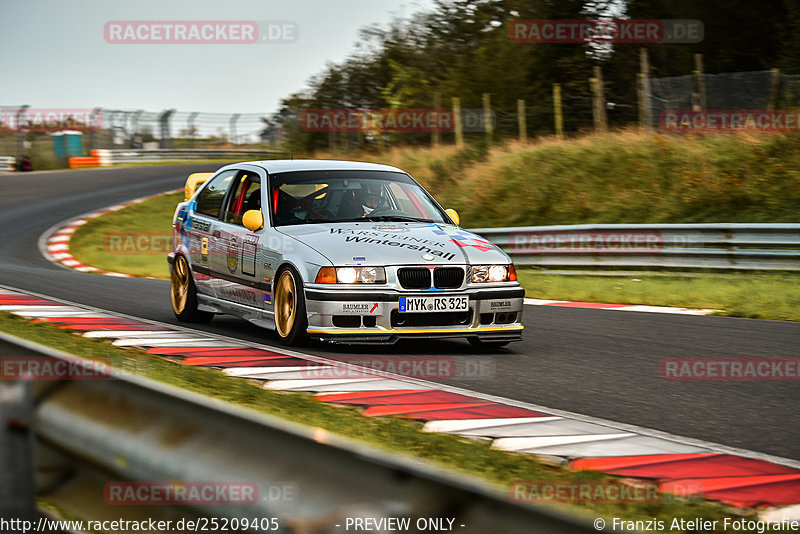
[370, 198]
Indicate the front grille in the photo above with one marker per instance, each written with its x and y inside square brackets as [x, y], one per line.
[431, 319]
[414, 277]
[448, 277]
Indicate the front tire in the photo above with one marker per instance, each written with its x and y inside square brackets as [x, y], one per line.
[183, 294]
[291, 320]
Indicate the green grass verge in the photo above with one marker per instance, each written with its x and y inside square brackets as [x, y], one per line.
[134, 240]
[758, 296]
[401, 436]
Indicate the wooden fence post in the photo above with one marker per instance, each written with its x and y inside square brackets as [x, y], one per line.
[522, 123]
[558, 111]
[459, 127]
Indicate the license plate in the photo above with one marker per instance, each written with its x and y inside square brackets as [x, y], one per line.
[433, 304]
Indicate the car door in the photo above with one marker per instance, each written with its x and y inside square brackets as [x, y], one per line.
[204, 225]
[236, 263]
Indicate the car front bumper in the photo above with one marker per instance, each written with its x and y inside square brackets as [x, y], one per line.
[373, 316]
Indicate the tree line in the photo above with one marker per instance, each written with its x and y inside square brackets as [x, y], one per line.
[461, 48]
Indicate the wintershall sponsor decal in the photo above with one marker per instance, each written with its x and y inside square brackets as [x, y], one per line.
[394, 240]
[731, 369]
[199, 32]
[42, 368]
[606, 31]
[180, 493]
[583, 491]
[609, 241]
[49, 119]
[730, 120]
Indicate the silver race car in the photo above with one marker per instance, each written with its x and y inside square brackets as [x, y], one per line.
[339, 251]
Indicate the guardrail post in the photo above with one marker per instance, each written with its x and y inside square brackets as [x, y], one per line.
[17, 486]
[233, 121]
[166, 137]
[190, 127]
[20, 134]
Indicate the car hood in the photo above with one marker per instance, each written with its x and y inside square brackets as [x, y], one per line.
[396, 243]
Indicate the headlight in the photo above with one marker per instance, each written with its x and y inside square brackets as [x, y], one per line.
[493, 273]
[351, 275]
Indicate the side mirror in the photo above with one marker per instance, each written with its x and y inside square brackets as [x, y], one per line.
[253, 220]
[453, 214]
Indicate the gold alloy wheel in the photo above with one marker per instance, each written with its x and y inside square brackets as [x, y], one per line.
[179, 285]
[285, 304]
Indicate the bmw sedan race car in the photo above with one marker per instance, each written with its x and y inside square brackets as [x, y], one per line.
[337, 251]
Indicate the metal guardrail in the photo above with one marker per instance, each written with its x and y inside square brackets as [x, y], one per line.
[745, 246]
[111, 157]
[7, 163]
[129, 428]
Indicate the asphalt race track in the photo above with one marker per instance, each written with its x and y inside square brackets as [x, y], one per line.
[596, 362]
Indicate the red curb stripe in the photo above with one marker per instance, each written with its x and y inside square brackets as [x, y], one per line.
[208, 351]
[706, 485]
[775, 494]
[110, 327]
[337, 397]
[462, 412]
[417, 398]
[398, 409]
[268, 361]
[620, 462]
[714, 466]
[99, 321]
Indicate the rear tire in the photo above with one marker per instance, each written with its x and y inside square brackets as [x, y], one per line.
[183, 294]
[291, 320]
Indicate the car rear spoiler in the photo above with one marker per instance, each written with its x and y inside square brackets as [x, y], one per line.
[193, 181]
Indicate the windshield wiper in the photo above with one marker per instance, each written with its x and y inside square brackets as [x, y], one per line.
[395, 218]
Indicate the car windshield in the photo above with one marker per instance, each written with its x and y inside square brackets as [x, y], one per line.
[307, 197]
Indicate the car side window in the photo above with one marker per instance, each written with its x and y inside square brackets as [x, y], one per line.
[209, 201]
[244, 195]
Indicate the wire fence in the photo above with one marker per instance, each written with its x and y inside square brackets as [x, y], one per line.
[34, 132]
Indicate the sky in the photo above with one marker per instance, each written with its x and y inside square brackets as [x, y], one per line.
[57, 54]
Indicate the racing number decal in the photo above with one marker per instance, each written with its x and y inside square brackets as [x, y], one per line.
[249, 248]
